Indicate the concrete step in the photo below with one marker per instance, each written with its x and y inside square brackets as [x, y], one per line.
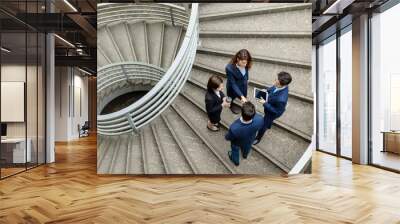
[160, 149]
[265, 17]
[155, 35]
[139, 41]
[263, 71]
[255, 34]
[102, 60]
[99, 142]
[202, 156]
[119, 159]
[298, 114]
[170, 45]
[288, 49]
[107, 46]
[154, 163]
[173, 155]
[213, 8]
[181, 38]
[107, 151]
[134, 163]
[256, 163]
[278, 143]
[102, 144]
[121, 37]
[185, 153]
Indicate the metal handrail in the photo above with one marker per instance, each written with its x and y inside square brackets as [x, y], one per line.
[162, 94]
[124, 75]
[148, 12]
[126, 71]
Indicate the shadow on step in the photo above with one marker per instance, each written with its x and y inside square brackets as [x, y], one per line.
[122, 101]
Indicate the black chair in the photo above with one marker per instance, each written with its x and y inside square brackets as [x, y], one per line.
[84, 130]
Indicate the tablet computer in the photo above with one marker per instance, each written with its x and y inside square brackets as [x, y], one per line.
[260, 93]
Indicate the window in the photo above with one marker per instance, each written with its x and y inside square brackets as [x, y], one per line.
[385, 89]
[346, 75]
[327, 95]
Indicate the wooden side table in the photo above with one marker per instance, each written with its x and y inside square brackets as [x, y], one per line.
[391, 141]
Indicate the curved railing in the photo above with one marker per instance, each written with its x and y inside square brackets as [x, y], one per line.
[143, 111]
[123, 75]
[115, 12]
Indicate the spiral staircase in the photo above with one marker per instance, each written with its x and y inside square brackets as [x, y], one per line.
[169, 51]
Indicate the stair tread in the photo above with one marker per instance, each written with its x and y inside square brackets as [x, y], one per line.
[170, 42]
[201, 155]
[134, 163]
[155, 32]
[154, 161]
[290, 51]
[240, 13]
[175, 159]
[118, 163]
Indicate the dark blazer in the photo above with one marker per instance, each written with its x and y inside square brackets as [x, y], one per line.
[236, 85]
[213, 105]
[243, 135]
[275, 106]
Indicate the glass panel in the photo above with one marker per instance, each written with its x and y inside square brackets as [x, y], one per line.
[41, 99]
[385, 84]
[13, 87]
[327, 96]
[346, 94]
[31, 98]
[23, 84]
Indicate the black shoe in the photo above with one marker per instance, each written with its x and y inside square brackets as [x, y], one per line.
[230, 157]
[235, 109]
[256, 141]
[245, 156]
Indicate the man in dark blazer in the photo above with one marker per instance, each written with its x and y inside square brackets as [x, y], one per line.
[242, 132]
[275, 104]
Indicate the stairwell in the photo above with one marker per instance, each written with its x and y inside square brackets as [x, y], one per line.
[177, 141]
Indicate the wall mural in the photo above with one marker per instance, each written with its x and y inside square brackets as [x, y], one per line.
[207, 88]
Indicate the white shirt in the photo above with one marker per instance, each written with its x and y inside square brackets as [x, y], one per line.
[217, 93]
[242, 70]
[245, 122]
[279, 89]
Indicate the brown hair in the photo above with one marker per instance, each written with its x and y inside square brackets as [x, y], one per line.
[214, 82]
[243, 54]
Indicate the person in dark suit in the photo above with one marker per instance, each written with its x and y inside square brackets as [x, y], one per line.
[242, 132]
[275, 104]
[237, 73]
[215, 100]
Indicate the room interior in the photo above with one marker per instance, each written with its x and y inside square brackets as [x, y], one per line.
[344, 186]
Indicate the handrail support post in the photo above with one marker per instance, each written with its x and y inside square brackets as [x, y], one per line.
[135, 131]
[172, 16]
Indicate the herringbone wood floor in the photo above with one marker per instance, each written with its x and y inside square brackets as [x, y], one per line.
[69, 191]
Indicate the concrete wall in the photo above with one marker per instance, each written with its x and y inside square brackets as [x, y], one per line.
[71, 102]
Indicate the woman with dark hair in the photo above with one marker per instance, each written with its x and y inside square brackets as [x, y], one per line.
[237, 72]
[215, 101]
